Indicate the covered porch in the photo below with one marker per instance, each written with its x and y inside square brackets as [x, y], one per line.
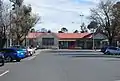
[67, 44]
[80, 44]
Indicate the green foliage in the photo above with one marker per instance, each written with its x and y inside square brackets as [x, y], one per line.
[64, 30]
[23, 20]
[76, 31]
[83, 28]
[107, 17]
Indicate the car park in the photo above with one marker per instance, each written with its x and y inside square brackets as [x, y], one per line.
[11, 54]
[112, 50]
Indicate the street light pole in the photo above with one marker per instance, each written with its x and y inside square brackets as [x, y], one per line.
[81, 15]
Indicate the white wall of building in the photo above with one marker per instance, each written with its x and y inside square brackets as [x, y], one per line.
[48, 35]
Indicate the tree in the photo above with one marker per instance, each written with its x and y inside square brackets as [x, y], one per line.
[43, 30]
[4, 22]
[49, 31]
[23, 20]
[83, 28]
[107, 17]
[38, 31]
[93, 26]
[116, 19]
[76, 31]
[64, 30]
[18, 2]
[60, 32]
[32, 30]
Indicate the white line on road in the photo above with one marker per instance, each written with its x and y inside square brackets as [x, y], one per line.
[7, 71]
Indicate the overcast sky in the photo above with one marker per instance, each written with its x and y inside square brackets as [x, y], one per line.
[58, 13]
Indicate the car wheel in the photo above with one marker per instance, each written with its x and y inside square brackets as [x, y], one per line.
[8, 59]
[34, 51]
[30, 54]
[108, 53]
[18, 60]
[2, 62]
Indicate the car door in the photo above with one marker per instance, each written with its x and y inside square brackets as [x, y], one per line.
[8, 52]
[113, 50]
[118, 50]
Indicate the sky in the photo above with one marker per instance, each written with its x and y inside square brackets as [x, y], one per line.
[56, 14]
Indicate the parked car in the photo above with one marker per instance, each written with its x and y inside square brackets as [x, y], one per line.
[22, 48]
[112, 50]
[103, 49]
[31, 50]
[2, 59]
[11, 54]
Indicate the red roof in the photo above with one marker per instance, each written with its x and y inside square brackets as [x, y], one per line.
[71, 35]
[63, 35]
[88, 36]
[34, 35]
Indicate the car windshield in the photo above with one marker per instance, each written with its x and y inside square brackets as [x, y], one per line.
[60, 40]
[19, 49]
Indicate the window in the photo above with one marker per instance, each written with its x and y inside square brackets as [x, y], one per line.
[113, 48]
[48, 41]
[7, 50]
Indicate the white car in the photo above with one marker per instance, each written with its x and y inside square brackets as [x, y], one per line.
[31, 51]
[112, 50]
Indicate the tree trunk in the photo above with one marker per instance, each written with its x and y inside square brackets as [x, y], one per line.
[110, 40]
[20, 42]
[2, 42]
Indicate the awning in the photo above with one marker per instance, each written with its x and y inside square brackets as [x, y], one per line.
[67, 40]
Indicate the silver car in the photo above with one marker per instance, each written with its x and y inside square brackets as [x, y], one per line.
[113, 50]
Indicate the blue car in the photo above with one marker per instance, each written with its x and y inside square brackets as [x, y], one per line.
[11, 54]
[22, 48]
[1, 59]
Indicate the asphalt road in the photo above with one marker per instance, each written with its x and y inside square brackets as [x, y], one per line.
[48, 66]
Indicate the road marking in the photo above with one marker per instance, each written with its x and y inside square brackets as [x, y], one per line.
[7, 71]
